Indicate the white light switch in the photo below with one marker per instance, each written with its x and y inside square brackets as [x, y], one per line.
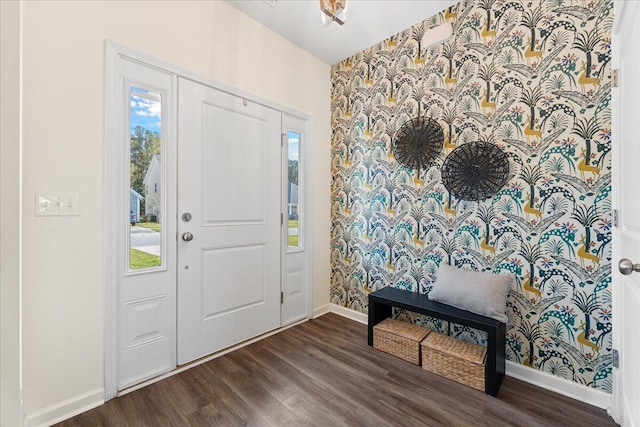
[57, 204]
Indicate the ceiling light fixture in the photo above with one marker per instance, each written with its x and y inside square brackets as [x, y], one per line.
[333, 10]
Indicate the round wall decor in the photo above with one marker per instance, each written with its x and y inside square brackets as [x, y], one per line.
[418, 142]
[475, 170]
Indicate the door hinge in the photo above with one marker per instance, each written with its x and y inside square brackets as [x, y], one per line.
[281, 297]
[614, 77]
[615, 218]
[616, 358]
[281, 219]
[283, 138]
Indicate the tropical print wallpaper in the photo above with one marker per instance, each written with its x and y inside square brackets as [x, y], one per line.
[532, 77]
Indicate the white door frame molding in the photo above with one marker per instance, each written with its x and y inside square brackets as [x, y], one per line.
[114, 55]
[615, 410]
[626, 232]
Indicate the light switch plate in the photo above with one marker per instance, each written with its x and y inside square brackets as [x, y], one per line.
[57, 204]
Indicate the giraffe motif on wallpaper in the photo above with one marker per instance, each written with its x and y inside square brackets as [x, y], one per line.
[566, 67]
[545, 355]
[547, 194]
[545, 33]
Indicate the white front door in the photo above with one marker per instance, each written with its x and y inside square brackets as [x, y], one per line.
[626, 295]
[229, 181]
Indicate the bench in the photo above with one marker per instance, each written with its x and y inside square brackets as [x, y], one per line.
[383, 300]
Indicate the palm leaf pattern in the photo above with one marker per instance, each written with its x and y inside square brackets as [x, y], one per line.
[534, 79]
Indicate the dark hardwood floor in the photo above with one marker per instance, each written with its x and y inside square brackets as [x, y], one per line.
[323, 373]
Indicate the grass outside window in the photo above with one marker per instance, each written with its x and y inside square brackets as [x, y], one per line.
[141, 259]
[155, 226]
[293, 240]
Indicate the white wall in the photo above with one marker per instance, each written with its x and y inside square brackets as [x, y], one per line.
[64, 258]
[10, 406]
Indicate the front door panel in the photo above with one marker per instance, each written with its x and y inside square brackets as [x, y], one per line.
[229, 183]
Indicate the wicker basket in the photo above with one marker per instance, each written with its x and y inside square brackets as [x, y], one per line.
[400, 339]
[455, 359]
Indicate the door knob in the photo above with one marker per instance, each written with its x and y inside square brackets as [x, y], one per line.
[187, 236]
[627, 267]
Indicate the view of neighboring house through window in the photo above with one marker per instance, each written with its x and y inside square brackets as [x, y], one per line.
[293, 191]
[146, 179]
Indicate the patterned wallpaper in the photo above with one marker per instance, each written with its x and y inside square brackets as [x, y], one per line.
[533, 78]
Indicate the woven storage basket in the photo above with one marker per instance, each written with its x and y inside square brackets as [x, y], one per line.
[454, 359]
[401, 339]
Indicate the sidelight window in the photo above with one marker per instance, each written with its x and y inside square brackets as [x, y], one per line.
[293, 190]
[146, 176]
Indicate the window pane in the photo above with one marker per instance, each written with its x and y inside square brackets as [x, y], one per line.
[145, 213]
[293, 192]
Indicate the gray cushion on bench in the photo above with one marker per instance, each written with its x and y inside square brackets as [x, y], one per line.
[483, 293]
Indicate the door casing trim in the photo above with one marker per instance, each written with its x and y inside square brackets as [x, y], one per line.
[616, 410]
[114, 53]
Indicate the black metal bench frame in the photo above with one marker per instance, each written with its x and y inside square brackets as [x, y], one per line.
[383, 300]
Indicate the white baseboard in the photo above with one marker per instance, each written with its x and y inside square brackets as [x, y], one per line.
[559, 385]
[349, 314]
[66, 409]
[541, 379]
[342, 311]
[323, 309]
[627, 417]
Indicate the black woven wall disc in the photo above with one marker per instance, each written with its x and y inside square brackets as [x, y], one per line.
[418, 142]
[475, 170]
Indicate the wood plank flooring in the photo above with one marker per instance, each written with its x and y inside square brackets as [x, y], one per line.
[322, 373]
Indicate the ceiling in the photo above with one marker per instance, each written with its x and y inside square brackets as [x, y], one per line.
[368, 22]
